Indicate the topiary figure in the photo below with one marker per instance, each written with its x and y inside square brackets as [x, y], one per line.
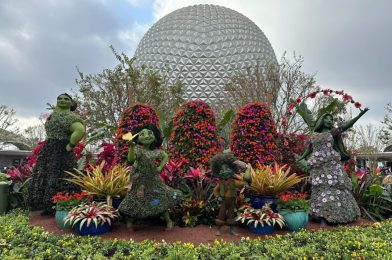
[132, 118]
[252, 138]
[194, 138]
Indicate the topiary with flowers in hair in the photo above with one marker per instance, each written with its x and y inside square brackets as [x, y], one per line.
[252, 138]
[133, 117]
[194, 139]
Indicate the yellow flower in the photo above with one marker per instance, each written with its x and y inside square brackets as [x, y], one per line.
[353, 254]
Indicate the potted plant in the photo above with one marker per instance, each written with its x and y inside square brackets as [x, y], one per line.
[65, 202]
[268, 181]
[92, 219]
[260, 221]
[111, 184]
[4, 192]
[295, 209]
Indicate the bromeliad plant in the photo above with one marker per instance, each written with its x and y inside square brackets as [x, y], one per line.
[272, 180]
[67, 202]
[113, 183]
[293, 201]
[86, 214]
[263, 216]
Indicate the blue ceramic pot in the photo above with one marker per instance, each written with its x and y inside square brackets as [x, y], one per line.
[261, 230]
[59, 218]
[117, 202]
[295, 220]
[258, 201]
[92, 230]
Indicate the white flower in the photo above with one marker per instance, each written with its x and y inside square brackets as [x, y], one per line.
[322, 175]
[323, 194]
[317, 178]
[316, 153]
[331, 197]
[339, 204]
[330, 182]
[329, 144]
[329, 192]
[324, 200]
[338, 192]
[329, 176]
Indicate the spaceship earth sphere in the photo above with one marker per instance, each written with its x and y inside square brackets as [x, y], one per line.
[203, 46]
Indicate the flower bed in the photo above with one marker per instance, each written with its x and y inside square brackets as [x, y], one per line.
[19, 240]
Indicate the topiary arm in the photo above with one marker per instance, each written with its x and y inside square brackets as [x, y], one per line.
[78, 130]
[131, 156]
[165, 159]
[351, 122]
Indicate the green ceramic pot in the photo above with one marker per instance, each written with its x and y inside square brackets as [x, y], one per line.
[59, 217]
[295, 220]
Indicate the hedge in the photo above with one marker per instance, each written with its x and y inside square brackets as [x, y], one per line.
[19, 240]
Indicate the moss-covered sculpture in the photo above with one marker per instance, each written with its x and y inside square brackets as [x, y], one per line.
[331, 198]
[64, 129]
[148, 196]
[224, 166]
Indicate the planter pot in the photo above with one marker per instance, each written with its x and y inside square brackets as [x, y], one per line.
[92, 230]
[116, 202]
[259, 230]
[4, 192]
[295, 220]
[258, 201]
[59, 217]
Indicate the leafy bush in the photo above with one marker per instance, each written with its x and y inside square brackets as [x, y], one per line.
[252, 139]
[19, 240]
[194, 139]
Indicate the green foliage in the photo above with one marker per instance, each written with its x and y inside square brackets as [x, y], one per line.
[374, 200]
[19, 240]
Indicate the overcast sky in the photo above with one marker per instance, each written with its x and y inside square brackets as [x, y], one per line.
[346, 43]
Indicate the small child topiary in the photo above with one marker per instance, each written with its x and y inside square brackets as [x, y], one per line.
[132, 118]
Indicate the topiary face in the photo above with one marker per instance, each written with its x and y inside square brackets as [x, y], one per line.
[146, 137]
[64, 102]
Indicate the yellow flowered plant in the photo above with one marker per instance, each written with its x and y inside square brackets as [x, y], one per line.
[272, 180]
[115, 182]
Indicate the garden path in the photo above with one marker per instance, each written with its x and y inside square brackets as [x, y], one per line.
[196, 235]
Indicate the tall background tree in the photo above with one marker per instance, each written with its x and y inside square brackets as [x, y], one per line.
[275, 85]
[104, 96]
[386, 132]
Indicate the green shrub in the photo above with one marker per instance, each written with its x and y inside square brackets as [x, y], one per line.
[19, 240]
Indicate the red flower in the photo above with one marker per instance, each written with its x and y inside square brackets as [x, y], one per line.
[298, 100]
[357, 104]
[312, 95]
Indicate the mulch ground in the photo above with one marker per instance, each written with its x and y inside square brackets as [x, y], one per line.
[195, 235]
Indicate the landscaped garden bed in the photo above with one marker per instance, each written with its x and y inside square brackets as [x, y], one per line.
[20, 240]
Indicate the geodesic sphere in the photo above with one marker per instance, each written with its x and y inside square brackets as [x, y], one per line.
[203, 46]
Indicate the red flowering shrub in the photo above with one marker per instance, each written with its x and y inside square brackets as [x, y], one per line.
[290, 145]
[67, 202]
[32, 158]
[107, 155]
[194, 139]
[133, 117]
[293, 201]
[252, 139]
